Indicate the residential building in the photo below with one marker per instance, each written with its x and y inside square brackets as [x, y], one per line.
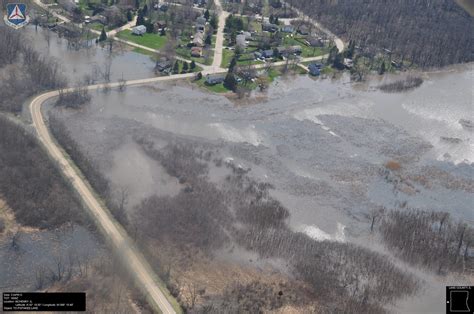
[139, 30]
[315, 69]
[213, 79]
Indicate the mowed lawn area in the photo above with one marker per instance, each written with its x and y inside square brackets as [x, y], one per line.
[154, 41]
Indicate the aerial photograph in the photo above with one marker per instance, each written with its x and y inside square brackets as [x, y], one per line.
[237, 156]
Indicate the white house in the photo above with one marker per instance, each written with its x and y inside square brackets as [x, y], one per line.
[139, 30]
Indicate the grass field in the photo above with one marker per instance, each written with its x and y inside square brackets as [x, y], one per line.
[154, 41]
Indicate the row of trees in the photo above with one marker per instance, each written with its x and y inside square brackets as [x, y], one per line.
[431, 239]
[425, 32]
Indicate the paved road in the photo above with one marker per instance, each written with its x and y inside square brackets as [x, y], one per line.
[216, 62]
[112, 230]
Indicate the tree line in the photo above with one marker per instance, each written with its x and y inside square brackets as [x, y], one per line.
[427, 33]
[32, 186]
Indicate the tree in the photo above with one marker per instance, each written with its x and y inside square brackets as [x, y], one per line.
[150, 27]
[103, 35]
[207, 15]
[129, 16]
[140, 18]
[163, 32]
[145, 9]
[185, 68]
[193, 65]
[214, 21]
[232, 64]
[382, 68]
[137, 4]
[199, 76]
[208, 40]
[230, 82]
[176, 67]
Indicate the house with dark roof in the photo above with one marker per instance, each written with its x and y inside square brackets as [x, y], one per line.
[315, 69]
[213, 79]
[287, 29]
[268, 53]
[269, 27]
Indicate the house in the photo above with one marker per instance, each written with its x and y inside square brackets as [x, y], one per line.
[213, 79]
[201, 23]
[315, 69]
[268, 53]
[285, 51]
[269, 27]
[348, 63]
[198, 39]
[99, 19]
[163, 65]
[303, 30]
[139, 30]
[160, 24]
[247, 35]
[287, 29]
[196, 52]
[314, 42]
[241, 41]
[257, 55]
[200, 3]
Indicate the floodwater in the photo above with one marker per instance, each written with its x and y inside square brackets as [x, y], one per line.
[76, 64]
[40, 251]
[320, 142]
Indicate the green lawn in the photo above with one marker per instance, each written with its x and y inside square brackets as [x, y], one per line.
[227, 56]
[218, 88]
[185, 52]
[154, 41]
[307, 52]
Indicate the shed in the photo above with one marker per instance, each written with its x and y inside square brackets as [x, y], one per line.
[139, 30]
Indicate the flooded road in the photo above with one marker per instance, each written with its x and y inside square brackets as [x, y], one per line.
[322, 143]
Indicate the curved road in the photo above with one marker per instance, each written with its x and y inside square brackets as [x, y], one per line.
[139, 268]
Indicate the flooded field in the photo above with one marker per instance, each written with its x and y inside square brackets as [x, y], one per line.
[323, 144]
[39, 252]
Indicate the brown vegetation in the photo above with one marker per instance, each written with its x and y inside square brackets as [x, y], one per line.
[393, 165]
[31, 185]
[427, 33]
[430, 239]
[402, 85]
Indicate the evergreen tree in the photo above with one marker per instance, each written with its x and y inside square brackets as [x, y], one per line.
[129, 15]
[382, 68]
[185, 67]
[150, 28]
[140, 18]
[207, 15]
[208, 40]
[163, 32]
[214, 22]
[271, 18]
[193, 65]
[230, 82]
[176, 67]
[103, 35]
[232, 64]
[199, 76]
[145, 10]
[137, 4]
